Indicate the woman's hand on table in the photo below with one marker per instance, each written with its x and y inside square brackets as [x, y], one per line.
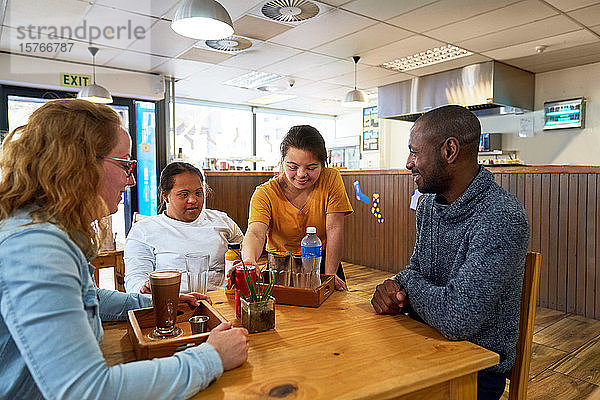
[339, 284]
[230, 343]
[389, 298]
[192, 298]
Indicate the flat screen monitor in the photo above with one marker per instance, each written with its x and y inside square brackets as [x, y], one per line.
[564, 114]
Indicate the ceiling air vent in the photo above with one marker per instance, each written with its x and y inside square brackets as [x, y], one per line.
[231, 44]
[290, 10]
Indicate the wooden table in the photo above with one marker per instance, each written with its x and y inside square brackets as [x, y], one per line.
[340, 350]
[114, 259]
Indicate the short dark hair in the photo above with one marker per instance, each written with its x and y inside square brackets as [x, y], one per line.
[307, 138]
[167, 179]
[452, 121]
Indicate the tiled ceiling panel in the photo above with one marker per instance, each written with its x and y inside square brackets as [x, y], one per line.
[136, 61]
[44, 13]
[299, 62]
[261, 55]
[364, 75]
[330, 70]
[181, 69]
[258, 28]
[360, 42]
[321, 29]
[205, 56]
[506, 17]
[444, 12]
[538, 30]
[384, 9]
[588, 15]
[565, 58]
[162, 40]
[571, 39]
[78, 51]
[569, 5]
[154, 8]
[385, 80]
[123, 29]
[401, 48]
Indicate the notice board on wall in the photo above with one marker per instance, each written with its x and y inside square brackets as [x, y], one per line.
[370, 136]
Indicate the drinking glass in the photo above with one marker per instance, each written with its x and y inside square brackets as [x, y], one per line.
[165, 299]
[196, 265]
[280, 265]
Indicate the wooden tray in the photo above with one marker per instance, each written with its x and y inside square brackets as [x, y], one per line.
[305, 297]
[141, 322]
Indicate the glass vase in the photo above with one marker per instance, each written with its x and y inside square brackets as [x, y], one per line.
[258, 316]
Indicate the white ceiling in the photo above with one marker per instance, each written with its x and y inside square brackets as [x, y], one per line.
[317, 53]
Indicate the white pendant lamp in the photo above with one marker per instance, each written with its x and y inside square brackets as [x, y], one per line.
[202, 19]
[95, 93]
[356, 98]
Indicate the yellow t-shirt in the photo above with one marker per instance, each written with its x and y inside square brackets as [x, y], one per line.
[287, 224]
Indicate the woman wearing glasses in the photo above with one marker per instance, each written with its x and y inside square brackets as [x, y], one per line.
[162, 241]
[61, 173]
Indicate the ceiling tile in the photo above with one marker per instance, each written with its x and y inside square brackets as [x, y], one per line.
[219, 74]
[444, 12]
[321, 29]
[43, 13]
[554, 43]
[117, 28]
[564, 58]
[258, 28]
[181, 69]
[136, 61]
[588, 15]
[514, 15]
[330, 70]
[78, 51]
[261, 55]
[385, 80]
[538, 30]
[336, 3]
[401, 48]
[154, 8]
[321, 90]
[162, 40]
[384, 9]
[569, 5]
[362, 41]
[299, 62]
[364, 75]
[205, 56]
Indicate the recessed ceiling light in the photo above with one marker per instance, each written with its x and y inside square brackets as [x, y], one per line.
[252, 79]
[426, 57]
[272, 98]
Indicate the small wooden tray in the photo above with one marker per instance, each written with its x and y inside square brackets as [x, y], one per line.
[141, 322]
[304, 297]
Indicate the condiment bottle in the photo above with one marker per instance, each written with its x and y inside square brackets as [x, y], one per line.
[232, 255]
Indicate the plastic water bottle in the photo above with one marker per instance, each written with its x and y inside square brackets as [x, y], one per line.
[310, 250]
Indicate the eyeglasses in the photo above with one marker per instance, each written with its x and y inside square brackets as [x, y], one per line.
[128, 165]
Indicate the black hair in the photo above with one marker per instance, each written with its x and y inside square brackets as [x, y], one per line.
[167, 180]
[452, 121]
[307, 138]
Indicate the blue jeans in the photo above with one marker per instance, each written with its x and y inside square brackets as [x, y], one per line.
[490, 386]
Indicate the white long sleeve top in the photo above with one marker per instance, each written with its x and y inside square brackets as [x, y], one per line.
[159, 243]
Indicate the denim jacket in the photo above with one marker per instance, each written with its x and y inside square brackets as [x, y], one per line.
[50, 327]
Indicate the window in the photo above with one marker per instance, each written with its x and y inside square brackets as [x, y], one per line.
[271, 127]
[212, 131]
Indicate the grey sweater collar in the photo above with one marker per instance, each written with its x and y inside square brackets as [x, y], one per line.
[468, 201]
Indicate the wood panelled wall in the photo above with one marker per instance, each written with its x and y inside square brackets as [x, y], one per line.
[562, 204]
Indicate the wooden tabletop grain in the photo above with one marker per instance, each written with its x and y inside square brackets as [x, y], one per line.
[339, 350]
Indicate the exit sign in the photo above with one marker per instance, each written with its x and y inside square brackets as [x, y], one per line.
[74, 80]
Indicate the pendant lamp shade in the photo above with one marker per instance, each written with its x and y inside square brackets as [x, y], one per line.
[202, 19]
[95, 93]
[356, 97]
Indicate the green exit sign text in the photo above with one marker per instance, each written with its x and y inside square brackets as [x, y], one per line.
[74, 80]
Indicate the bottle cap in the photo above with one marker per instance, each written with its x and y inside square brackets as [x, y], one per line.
[311, 229]
[235, 246]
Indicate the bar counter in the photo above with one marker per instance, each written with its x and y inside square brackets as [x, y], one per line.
[562, 203]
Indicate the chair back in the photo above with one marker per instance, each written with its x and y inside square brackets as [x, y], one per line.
[519, 375]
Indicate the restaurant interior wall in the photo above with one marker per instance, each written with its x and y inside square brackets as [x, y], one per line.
[29, 71]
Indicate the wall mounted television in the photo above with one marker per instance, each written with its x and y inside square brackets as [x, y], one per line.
[564, 114]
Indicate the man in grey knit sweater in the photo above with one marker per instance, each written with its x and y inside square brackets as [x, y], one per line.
[466, 271]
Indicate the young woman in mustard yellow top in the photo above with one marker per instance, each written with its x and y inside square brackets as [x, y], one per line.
[305, 193]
